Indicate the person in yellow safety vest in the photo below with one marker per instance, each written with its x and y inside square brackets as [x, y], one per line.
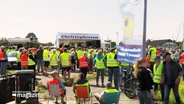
[75, 45]
[157, 74]
[46, 56]
[31, 59]
[65, 62]
[81, 81]
[109, 89]
[32, 63]
[19, 53]
[54, 60]
[58, 52]
[152, 54]
[125, 67]
[99, 63]
[79, 54]
[113, 68]
[8, 50]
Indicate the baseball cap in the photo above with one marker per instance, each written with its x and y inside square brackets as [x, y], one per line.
[157, 58]
[166, 54]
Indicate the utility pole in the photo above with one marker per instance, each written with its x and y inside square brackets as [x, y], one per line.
[144, 29]
[183, 35]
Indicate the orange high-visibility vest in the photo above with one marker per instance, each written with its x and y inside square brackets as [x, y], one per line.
[24, 59]
[55, 81]
[182, 59]
[83, 62]
[2, 55]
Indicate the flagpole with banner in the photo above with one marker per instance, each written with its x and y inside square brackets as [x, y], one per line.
[133, 43]
[144, 31]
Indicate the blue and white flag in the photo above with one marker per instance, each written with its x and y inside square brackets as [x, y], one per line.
[131, 47]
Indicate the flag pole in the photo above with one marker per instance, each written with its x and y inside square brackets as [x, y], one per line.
[144, 28]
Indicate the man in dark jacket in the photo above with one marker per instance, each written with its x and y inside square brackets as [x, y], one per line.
[39, 58]
[172, 73]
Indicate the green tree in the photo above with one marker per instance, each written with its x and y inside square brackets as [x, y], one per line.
[32, 37]
[49, 44]
[3, 41]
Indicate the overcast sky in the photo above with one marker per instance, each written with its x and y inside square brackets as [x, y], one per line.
[47, 17]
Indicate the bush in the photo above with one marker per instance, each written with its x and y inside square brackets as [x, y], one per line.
[68, 82]
[41, 88]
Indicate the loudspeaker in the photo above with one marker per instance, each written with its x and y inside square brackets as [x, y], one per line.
[7, 85]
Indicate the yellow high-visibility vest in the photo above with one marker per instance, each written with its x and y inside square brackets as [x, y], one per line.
[111, 62]
[65, 59]
[157, 72]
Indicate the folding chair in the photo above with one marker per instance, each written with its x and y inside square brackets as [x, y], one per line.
[54, 90]
[82, 95]
[111, 98]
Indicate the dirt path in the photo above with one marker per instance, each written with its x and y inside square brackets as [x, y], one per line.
[70, 95]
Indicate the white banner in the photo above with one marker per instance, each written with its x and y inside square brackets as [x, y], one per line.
[84, 36]
[133, 24]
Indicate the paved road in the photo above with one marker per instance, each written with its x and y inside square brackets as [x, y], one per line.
[71, 99]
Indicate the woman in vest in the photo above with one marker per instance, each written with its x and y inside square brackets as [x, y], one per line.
[24, 60]
[81, 81]
[157, 74]
[99, 63]
[54, 60]
[83, 64]
[145, 82]
[32, 62]
[31, 59]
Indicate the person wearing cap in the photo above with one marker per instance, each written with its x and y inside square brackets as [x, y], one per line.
[171, 76]
[55, 79]
[3, 60]
[109, 89]
[157, 74]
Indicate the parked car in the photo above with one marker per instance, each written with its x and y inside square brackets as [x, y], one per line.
[12, 60]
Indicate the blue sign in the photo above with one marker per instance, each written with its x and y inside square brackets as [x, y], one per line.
[129, 54]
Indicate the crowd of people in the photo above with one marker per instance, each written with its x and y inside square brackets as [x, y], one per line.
[160, 68]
